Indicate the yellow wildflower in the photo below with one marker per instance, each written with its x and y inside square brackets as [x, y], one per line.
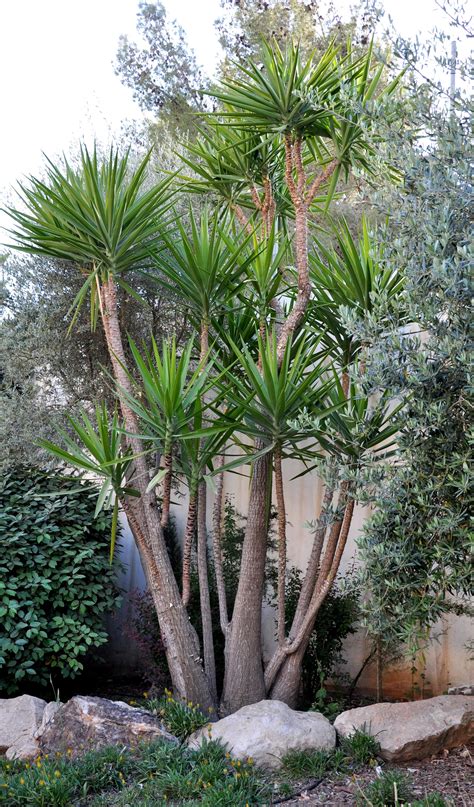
[41, 782]
[57, 774]
[22, 781]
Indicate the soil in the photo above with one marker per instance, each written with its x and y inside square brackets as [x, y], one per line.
[451, 774]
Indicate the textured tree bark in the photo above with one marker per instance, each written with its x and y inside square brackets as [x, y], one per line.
[204, 597]
[189, 533]
[283, 672]
[217, 548]
[280, 497]
[182, 649]
[244, 682]
[165, 507]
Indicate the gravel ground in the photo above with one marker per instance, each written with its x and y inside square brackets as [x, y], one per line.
[451, 774]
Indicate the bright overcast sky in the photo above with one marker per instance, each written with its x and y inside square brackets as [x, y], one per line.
[56, 64]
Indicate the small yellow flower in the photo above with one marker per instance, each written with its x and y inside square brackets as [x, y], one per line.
[46, 756]
[190, 704]
[250, 761]
[41, 782]
[227, 756]
[38, 764]
[69, 752]
[8, 767]
[145, 694]
[22, 781]
[57, 774]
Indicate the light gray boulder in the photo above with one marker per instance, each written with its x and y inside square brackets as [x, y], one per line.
[86, 723]
[413, 730]
[464, 689]
[268, 730]
[20, 718]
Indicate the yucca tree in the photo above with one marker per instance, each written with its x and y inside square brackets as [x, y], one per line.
[98, 450]
[350, 274]
[268, 397]
[169, 400]
[316, 114]
[170, 389]
[285, 130]
[100, 217]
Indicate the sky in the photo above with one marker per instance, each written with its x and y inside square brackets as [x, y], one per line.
[58, 84]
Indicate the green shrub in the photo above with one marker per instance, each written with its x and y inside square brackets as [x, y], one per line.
[336, 619]
[180, 718]
[361, 747]
[56, 583]
[392, 789]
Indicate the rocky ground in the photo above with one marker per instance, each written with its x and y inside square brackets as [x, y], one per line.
[451, 774]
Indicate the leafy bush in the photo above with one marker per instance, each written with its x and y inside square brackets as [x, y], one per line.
[56, 583]
[336, 619]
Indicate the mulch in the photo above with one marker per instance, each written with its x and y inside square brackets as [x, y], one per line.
[451, 774]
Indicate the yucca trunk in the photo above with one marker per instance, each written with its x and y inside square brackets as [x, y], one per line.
[204, 596]
[283, 674]
[281, 515]
[243, 682]
[217, 547]
[181, 645]
[189, 535]
[168, 467]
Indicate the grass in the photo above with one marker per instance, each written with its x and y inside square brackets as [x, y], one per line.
[151, 774]
[312, 764]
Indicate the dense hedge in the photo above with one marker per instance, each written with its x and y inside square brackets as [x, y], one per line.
[56, 583]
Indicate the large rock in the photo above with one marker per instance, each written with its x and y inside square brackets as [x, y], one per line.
[87, 723]
[413, 730]
[464, 689]
[268, 730]
[20, 718]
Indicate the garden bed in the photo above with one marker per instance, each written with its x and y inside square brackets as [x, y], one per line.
[449, 774]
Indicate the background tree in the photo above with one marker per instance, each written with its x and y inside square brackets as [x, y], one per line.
[416, 548]
[163, 73]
